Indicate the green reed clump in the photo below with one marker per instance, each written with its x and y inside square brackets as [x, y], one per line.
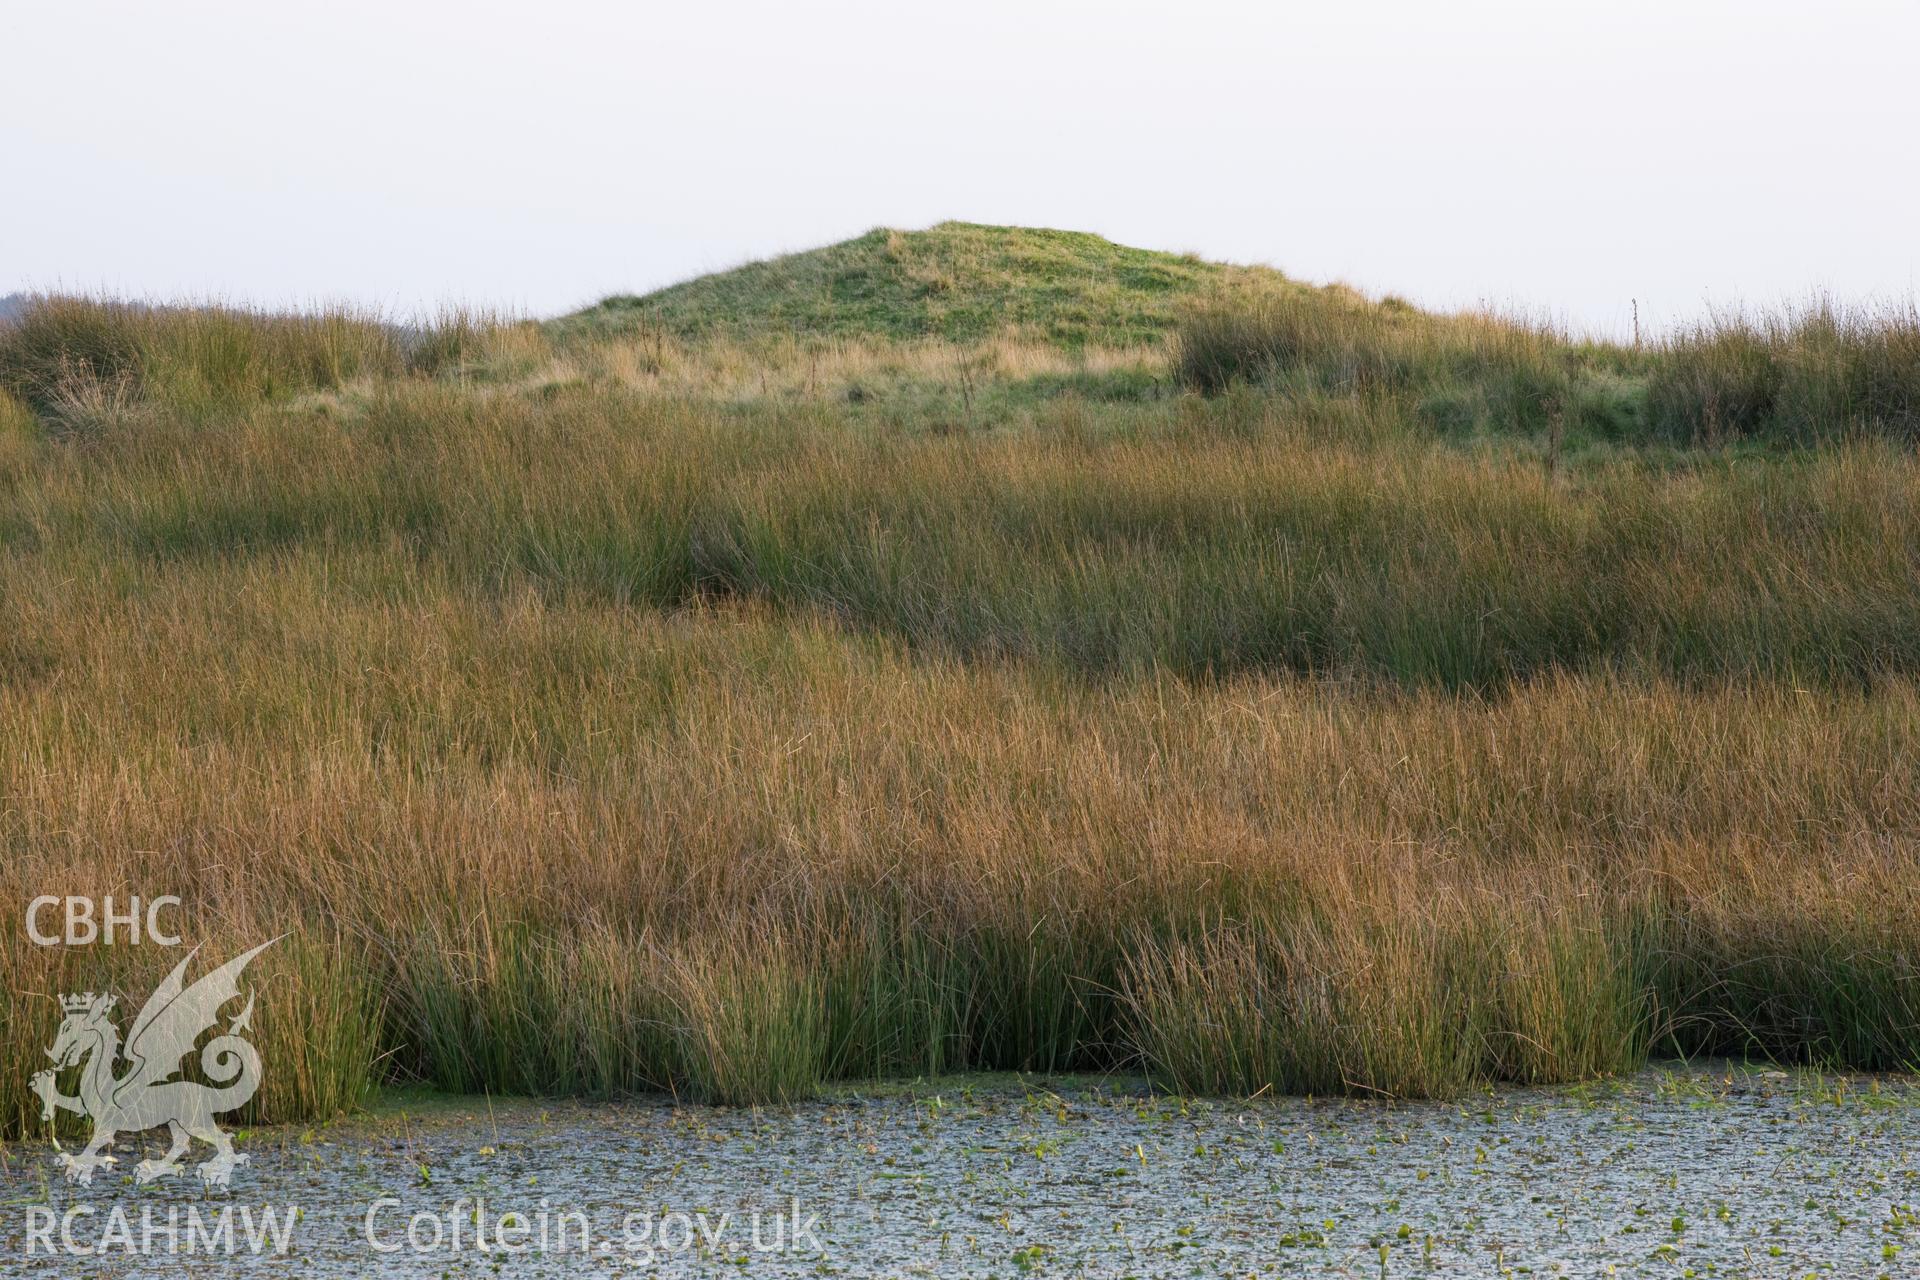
[751, 1020]
[1835, 982]
[1803, 374]
[318, 1019]
[60, 343]
[1799, 375]
[71, 357]
[1462, 371]
[192, 360]
[897, 997]
[477, 1007]
[513, 1008]
[1042, 980]
[1406, 998]
[1300, 1006]
[477, 344]
[1569, 995]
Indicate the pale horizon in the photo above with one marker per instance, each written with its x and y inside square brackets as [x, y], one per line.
[1559, 165]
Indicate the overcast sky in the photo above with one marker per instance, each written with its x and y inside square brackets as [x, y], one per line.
[1557, 157]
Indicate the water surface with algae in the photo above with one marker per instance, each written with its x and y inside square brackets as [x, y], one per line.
[1705, 1170]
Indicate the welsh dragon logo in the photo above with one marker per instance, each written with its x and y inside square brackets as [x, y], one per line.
[145, 1094]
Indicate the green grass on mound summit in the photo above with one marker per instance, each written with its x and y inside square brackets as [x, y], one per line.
[959, 281]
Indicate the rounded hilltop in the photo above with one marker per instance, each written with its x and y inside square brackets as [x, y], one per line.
[959, 281]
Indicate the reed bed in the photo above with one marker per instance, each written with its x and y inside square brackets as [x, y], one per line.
[589, 737]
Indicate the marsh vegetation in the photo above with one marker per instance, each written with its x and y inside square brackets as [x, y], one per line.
[798, 677]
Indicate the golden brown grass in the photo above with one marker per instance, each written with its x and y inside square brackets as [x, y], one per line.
[586, 735]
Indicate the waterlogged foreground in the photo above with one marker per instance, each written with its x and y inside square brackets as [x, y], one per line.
[1731, 1171]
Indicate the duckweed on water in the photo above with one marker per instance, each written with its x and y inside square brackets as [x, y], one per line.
[1786, 1175]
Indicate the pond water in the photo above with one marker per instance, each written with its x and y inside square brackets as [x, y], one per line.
[1705, 1170]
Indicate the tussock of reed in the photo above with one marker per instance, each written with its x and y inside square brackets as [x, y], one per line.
[77, 358]
[1463, 371]
[1801, 375]
[1808, 373]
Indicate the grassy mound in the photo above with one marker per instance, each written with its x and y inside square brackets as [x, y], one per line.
[959, 281]
[1803, 375]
